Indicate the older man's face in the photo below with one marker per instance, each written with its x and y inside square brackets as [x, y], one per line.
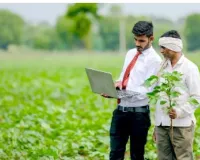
[167, 53]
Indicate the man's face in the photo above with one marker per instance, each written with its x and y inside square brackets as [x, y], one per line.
[167, 53]
[142, 42]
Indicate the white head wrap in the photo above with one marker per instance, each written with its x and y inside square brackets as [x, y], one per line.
[173, 44]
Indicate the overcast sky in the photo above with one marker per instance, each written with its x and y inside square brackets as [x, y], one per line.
[49, 12]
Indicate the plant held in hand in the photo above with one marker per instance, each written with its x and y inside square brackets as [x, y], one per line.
[165, 91]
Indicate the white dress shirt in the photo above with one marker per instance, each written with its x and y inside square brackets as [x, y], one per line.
[190, 87]
[146, 65]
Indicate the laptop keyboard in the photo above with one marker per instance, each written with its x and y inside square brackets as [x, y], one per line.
[124, 93]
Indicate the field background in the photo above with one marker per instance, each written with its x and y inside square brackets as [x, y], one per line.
[47, 110]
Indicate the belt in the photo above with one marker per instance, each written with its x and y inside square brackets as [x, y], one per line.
[142, 109]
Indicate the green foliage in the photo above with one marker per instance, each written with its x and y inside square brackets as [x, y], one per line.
[193, 102]
[82, 25]
[81, 15]
[109, 31]
[29, 33]
[11, 28]
[192, 32]
[164, 88]
[167, 87]
[98, 42]
[48, 111]
[42, 36]
[47, 39]
[87, 8]
[151, 81]
[65, 27]
[166, 93]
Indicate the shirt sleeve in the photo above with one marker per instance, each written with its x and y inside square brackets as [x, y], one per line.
[193, 85]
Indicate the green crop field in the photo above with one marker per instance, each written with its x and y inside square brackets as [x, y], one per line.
[48, 112]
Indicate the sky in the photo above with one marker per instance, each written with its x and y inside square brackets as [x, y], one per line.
[38, 12]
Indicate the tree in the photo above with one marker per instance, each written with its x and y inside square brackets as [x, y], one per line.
[11, 28]
[46, 38]
[109, 30]
[41, 36]
[192, 32]
[65, 29]
[29, 33]
[81, 16]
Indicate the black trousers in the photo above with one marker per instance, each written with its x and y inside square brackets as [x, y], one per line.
[125, 125]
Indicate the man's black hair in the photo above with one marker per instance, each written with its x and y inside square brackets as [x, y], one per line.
[172, 33]
[143, 28]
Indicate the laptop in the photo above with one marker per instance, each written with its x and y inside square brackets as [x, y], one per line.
[102, 82]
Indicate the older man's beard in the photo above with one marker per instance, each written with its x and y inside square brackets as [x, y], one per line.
[167, 56]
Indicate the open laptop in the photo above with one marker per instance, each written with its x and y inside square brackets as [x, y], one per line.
[102, 82]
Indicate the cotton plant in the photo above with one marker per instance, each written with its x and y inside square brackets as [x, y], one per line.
[165, 91]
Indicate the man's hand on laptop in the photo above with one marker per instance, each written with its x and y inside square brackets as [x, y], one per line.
[118, 85]
[105, 96]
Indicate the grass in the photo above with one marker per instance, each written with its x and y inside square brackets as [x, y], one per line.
[47, 110]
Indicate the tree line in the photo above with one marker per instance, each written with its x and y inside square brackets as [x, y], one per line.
[83, 28]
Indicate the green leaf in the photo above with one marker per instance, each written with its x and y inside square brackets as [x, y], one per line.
[163, 102]
[176, 73]
[166, 75]
[153, 101]
[164, 87]
[173, 104]
[157, 88]
[174, 94]
[150, 81]
[174, 78]
[193, 101]
[151, 94]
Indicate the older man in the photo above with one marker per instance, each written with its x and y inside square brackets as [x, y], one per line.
[183, 113]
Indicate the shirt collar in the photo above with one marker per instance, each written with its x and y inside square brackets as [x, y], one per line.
[180, 61]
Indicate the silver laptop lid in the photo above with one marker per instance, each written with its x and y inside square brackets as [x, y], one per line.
[101, 82]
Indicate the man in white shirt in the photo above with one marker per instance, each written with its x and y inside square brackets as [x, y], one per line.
[179, 145]
[131, 117]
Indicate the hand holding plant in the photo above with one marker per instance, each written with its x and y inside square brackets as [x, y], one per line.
[165, 92]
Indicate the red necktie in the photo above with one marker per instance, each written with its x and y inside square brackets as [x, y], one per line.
[127, 72]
